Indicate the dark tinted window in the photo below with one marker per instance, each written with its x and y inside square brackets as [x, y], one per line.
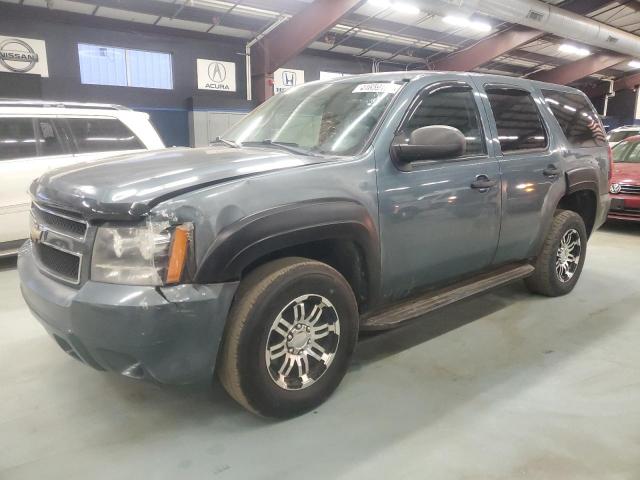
[49, 137]
[577, 119]
[102, 135]
[517, 119]
[16, 138]
[622, 134]
[626, 152]
[451, 105]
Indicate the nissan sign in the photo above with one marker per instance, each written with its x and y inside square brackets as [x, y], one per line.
[23, 55]
[216, 75]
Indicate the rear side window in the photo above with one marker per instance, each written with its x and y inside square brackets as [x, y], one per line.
[102, 135]
[577, 119]
[17, 139]
[517, 119]
[451, 105]
[49, 137]
[626, 152]
[620, 135]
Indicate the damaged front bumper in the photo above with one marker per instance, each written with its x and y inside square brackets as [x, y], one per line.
[167, 335]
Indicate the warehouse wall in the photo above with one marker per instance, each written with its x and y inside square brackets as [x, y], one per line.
[168, 108]
[171, 111]
[622, 108]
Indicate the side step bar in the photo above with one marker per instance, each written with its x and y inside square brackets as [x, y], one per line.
[393, 316]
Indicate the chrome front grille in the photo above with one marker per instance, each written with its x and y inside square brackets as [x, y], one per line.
[630, 189]
[59, 242]
[62, 223]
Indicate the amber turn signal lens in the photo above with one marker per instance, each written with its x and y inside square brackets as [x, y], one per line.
[178, 256]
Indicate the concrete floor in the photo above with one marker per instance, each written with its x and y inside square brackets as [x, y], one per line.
[502, 386]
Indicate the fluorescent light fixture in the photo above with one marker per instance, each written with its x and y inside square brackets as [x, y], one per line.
[401, 7]
[467, 23]
[573, 50]
[634, 64]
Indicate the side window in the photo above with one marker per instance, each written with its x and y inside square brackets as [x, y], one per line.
[17, 139]
[49, 138]
[577, 119]
[451, 105]
[517, 119]
[102, 135]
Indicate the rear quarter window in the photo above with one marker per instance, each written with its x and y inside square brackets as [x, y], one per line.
[102, 135]
[578, 121]
[517, 118]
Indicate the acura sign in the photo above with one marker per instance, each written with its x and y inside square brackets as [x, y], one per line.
[216, 75]
[23, 55]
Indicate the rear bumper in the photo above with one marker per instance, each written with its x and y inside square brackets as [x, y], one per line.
[167, 335]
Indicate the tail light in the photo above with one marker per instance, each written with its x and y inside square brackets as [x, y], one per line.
[610, 163]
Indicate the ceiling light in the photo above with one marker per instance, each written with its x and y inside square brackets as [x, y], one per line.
[401, 7]
[480, 26]
[466, 23]
[573, 50]
[634, 64]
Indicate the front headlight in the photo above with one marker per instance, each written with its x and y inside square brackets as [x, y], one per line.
[151, 254]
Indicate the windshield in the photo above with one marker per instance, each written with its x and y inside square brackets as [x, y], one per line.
[621, 135]
[626, 152]
[332, 118]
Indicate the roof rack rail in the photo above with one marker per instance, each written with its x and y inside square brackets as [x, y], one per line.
[11, 102]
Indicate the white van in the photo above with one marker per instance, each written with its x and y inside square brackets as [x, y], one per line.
[37, 136]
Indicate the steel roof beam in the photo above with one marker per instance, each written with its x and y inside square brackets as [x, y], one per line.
[629, 82]
[292, 37]
[488, 49]
[570, 72]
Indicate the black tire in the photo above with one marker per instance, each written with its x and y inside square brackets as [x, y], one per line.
[546, 280]
[243, 368]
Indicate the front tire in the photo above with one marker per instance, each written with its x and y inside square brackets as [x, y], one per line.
[290, 335]
[560, 262]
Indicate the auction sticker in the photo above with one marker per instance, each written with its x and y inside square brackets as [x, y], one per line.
[377, 88]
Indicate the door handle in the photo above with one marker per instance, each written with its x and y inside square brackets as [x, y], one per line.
[483, 183]
[551, 171]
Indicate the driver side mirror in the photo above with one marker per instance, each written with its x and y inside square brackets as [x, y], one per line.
[435, 142]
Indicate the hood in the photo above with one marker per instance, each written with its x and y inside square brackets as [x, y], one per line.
[129, 186]
[628, 173]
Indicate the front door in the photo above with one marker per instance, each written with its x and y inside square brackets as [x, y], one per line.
[436, 224]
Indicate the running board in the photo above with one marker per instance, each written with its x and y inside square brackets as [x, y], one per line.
[393, 316]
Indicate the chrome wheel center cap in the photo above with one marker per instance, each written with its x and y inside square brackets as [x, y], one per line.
[298, 337]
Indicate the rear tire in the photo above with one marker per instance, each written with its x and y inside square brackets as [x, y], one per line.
[290, 335]
[560, 262]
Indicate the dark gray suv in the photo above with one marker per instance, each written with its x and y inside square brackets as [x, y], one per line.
[338, 206]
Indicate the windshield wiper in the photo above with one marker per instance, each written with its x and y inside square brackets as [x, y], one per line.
[288, 146]
[229, 143]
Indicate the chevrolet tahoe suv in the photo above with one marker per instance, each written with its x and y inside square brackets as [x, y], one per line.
[352, 204]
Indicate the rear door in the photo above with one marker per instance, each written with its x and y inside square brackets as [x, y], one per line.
[434, 225]
[530, 162]
[95, 138]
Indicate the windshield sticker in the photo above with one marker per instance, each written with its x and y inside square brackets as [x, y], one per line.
[377, 88]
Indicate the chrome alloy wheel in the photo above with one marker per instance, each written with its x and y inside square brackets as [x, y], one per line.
[568, 255]
[302, 342]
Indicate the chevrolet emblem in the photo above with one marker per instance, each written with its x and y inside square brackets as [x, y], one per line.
[35, 232]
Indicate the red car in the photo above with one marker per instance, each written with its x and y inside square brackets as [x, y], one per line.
[625, 182]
